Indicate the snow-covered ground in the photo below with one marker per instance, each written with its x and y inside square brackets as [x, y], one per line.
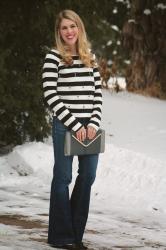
[128, 205]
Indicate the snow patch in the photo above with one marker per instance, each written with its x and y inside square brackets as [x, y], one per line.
[147, 12]
[119, 80]
[161, 6]
[114, 27]
[31, 158]
[109, 43]
[131, 21]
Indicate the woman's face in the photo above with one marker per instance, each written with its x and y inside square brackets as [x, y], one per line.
[69, 32]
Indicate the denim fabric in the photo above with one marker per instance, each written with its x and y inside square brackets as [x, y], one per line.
[68, 215]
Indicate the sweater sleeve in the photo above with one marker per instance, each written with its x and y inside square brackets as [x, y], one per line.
[97, 104]
[49, 80]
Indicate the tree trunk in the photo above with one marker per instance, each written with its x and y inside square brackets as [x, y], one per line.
[144, 35]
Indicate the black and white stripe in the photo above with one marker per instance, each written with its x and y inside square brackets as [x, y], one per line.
[72, 92]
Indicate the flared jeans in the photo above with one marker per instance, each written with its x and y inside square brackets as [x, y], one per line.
[68, 215]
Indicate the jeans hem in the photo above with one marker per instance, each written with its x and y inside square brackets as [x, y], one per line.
[61, 242]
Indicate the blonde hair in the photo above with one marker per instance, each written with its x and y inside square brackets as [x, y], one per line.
[83, 46]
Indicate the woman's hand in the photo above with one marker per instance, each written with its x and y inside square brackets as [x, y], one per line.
[91, 132]
[81, 134]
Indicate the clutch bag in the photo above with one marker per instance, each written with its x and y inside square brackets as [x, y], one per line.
[73, 146]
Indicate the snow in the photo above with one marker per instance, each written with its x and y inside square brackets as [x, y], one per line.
[147, 12]
[127, 61]
[131, 21]
[120, 80]
[161, 6]
[115, 11]
[109, 43]
[114, 52]
[128, 205]
[114, 27]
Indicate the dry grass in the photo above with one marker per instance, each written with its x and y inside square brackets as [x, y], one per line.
[153, 91]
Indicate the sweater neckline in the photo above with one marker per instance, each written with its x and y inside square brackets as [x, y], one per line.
[75, 56]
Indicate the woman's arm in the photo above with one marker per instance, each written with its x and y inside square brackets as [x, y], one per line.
[97, 106]
[50, 77]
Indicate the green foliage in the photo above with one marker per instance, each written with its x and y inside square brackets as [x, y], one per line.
[22, 114]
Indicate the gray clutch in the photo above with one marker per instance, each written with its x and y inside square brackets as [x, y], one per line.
[73, 146]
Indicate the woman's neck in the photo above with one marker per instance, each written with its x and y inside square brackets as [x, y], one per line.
[73, 50]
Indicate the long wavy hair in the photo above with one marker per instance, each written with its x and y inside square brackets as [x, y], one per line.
[83, 46]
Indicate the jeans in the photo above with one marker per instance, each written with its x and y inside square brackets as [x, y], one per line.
[68, 215]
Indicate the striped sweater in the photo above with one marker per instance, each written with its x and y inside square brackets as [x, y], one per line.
[72, 91]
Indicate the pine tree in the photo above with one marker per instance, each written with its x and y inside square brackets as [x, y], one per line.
[22, 113]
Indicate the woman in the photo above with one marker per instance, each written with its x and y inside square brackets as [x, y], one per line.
[72, 89]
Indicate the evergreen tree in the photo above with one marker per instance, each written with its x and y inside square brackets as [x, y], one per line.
[22, 115]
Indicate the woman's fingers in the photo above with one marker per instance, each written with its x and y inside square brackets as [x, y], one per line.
[91, 132]
[81, 134]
